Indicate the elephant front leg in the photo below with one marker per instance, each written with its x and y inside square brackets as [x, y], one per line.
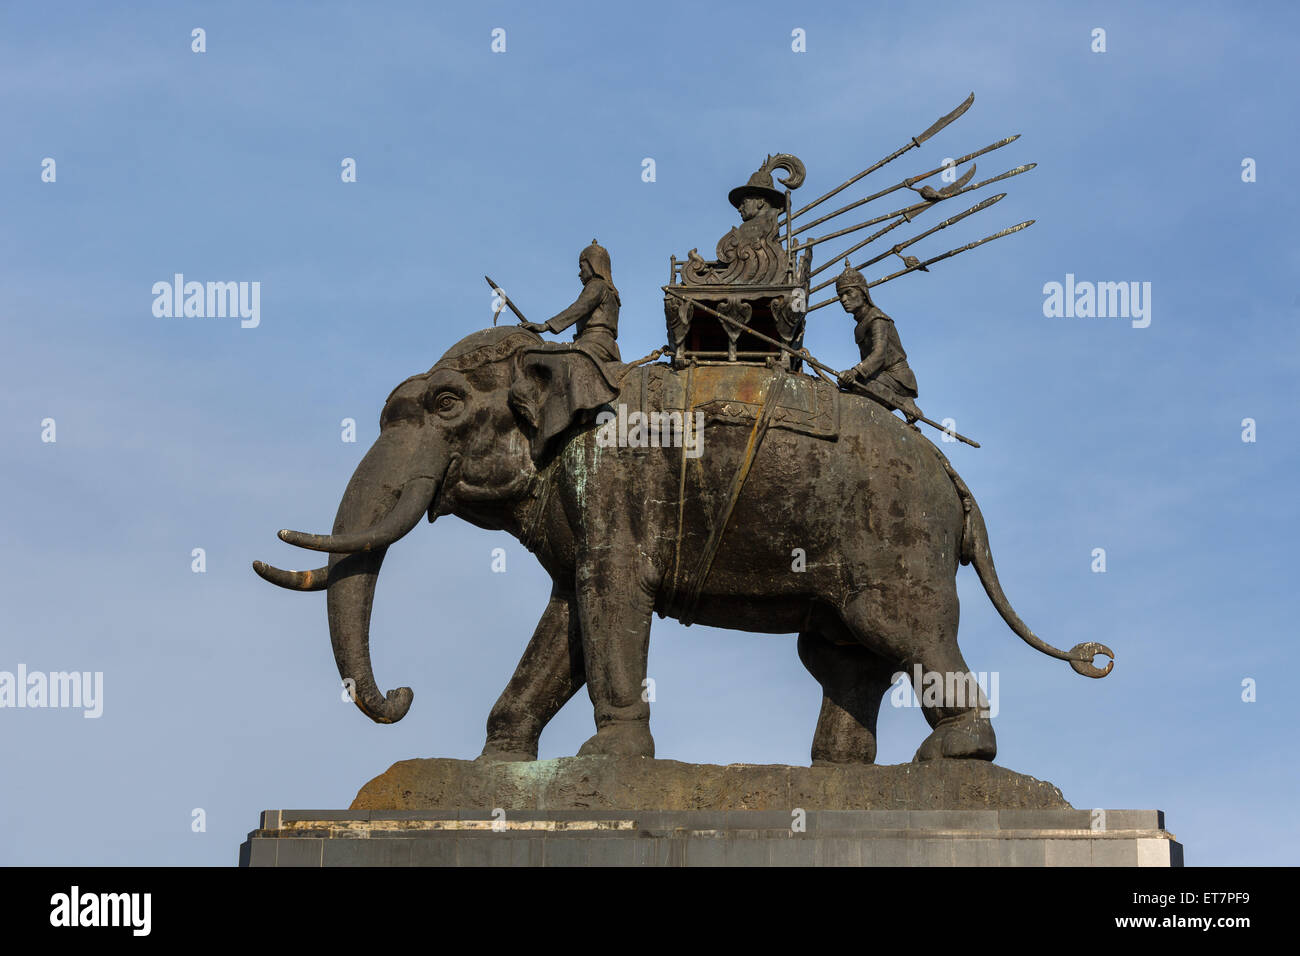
[615, 605]
[549, 673]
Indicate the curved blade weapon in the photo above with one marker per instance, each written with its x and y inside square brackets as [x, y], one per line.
[506, 299]
[911, 212]
[909, 182]
[934, 197]
[915, 141]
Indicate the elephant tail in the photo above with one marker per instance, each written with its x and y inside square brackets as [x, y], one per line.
[975, 550]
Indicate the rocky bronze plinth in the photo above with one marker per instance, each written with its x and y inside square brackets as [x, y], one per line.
[638, 783]
[634, 811]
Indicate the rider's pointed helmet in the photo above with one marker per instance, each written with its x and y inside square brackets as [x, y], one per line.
[852, 278]
[597, 256]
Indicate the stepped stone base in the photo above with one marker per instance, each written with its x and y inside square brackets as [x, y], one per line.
[603, 811]
[710, 838]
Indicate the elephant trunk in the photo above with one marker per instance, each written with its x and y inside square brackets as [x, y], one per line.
[351, 596]
[388, 493]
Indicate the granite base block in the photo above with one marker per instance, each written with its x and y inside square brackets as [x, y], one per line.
[710, 838]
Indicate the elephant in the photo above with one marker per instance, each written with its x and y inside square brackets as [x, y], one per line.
[512, 434]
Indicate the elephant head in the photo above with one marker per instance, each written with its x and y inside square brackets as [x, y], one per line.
[464, 438]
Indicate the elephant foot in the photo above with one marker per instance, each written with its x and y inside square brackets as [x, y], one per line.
[622, 738]
[504, 756]
[849, 748]
[505, 751]
[831, 761]
[970, 738]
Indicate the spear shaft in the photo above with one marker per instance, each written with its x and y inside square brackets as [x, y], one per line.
[899, 247]
[929, 262]
[911, 212]
[905, 211]
[909, 182]
[812, 361]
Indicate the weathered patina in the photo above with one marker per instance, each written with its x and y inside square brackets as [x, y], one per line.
[723, 487]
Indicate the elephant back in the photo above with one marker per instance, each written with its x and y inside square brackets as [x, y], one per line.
[733, 394]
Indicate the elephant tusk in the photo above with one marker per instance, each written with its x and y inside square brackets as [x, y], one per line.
[1081, 657]
[317, 579]
[415, 498]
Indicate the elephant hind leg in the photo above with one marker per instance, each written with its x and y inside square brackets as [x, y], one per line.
[853, 682]
[550, 672]
[915, 630]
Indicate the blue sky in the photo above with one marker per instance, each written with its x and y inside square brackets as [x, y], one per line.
[220, 691]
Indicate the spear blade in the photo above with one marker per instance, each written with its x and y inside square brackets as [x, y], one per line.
[947, 192]
[911, 144]
[929, 262]
[911, 181]
[945, 120]
[1015, 171]
[954, 187]
[911, 212]
[502, 292]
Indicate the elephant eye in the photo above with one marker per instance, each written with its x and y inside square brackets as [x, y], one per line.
[447, 403]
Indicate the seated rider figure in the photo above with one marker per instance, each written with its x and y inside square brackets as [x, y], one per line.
[595, 313]
[883, 374]
[751, 253]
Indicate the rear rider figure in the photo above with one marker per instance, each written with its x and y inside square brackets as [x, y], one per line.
[883, 373]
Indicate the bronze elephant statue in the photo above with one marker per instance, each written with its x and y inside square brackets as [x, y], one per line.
[511, 434]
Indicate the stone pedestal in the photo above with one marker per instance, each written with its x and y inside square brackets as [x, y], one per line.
[601, 811]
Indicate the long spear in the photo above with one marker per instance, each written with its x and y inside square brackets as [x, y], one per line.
[909, 182]
[929, 262]
[915, 141]
[908, 213]
[813, 362]
[898, 247]
[911, 212]
[939, 195]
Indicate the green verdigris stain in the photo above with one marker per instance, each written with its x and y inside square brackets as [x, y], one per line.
[579, 466]
[533, 779]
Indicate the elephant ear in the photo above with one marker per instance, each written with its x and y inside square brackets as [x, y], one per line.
[556, 388]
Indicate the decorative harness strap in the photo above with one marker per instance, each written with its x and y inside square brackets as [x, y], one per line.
[681, 486]
[705, 563]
